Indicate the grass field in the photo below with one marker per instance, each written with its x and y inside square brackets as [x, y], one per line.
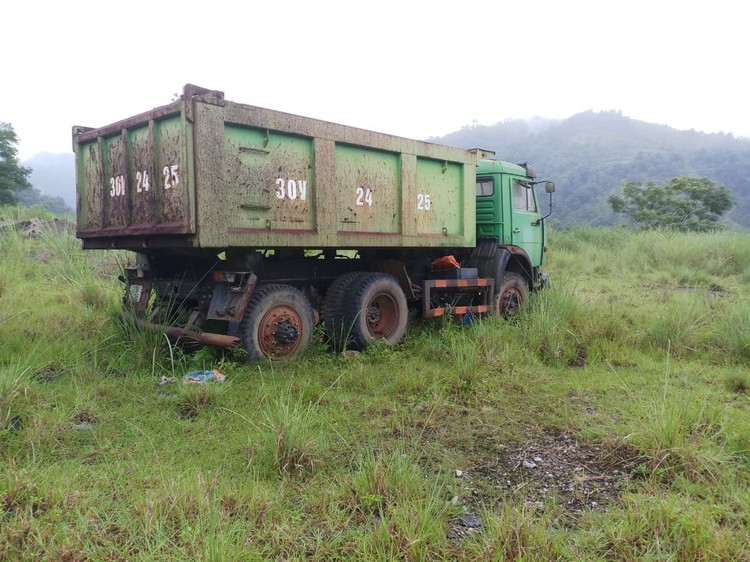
[610, 422]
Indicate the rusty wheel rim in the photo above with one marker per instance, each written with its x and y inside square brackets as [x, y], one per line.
[382, 316]
[510, 302]
[280, 332]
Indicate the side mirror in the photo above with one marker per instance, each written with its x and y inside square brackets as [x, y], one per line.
[549, 187]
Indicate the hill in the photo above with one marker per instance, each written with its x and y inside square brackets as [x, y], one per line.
[589, 154]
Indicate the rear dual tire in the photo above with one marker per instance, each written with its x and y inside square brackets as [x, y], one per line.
[337, 330]
[360, 308]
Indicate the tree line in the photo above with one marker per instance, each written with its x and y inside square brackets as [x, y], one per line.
[595, 156]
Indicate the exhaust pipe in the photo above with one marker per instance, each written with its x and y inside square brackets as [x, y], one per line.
[175, 333]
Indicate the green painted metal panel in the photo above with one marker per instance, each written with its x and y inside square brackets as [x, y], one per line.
[143, 170]
[527, 230]
[361, 187]
[174, 177]
[116, 200]
[269, 176]
[440, 187]
[134, 178]
[368, 190]
[222, 174]
[489, 207]
[90, 193]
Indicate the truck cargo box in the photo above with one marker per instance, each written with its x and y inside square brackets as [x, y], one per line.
[207, 173]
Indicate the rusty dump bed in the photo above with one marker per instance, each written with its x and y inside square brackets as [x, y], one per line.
[207, 173]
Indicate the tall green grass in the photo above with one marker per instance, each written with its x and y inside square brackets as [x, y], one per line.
[639, 349]
[673, 258]
[14, 399]
[651, 288]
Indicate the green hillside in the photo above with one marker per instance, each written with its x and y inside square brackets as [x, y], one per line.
[589, 154]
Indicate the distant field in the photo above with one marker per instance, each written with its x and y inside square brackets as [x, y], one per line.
[610, 422]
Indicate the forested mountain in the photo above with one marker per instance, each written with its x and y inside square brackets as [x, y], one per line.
[589, 154]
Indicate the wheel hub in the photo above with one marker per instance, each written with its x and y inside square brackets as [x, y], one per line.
[511, 302]
[373, 314]
[279, 332]
[286, 333]
[382, 316]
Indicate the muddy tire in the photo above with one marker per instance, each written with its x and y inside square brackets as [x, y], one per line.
[336, 329]
[278, 323]
[374, 308]
[513, 295]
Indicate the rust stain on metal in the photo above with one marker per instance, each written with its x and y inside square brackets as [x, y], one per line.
[94, 186]
[247, 294]
[172, 176]
[146, 179]
[119, 208]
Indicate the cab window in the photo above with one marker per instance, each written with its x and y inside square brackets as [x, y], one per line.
[523, 196]
[485, 187]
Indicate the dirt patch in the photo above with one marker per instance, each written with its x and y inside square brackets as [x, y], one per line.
[580, 359]
[37, 227]
[578, 476]
[712, 291]
[85, 416]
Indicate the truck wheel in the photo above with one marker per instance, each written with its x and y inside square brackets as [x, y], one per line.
[336, 329]
[278, 323]
[512, 296]
[375, 308]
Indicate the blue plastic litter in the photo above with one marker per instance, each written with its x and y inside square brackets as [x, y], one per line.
[203, 377]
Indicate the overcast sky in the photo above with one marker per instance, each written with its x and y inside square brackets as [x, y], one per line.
[410, 68]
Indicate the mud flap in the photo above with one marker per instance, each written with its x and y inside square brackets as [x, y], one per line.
[138, 289]
[229, 301]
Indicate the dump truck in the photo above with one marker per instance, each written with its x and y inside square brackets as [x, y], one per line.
[252, 226]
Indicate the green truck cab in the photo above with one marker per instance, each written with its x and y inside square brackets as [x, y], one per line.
[507, 207]
[250, 226]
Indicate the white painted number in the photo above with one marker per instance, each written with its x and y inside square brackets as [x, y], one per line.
[171, 176]
[291, 189]
[117, 186]
[364, 196]
[142, 181]
[424, 203]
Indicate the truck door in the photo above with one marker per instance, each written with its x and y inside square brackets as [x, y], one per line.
[526, 228]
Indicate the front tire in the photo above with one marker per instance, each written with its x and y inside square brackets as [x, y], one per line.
[278, 323]
[512, 296]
